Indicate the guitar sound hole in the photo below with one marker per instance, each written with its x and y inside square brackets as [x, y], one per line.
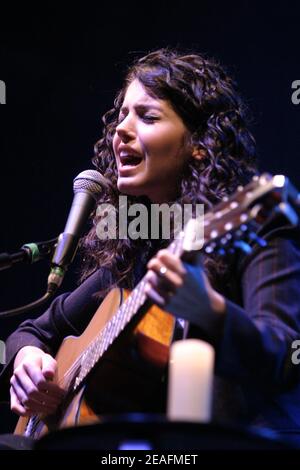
[124, 383]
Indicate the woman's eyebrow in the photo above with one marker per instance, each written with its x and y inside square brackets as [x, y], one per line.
[142, 106]
[148, 106]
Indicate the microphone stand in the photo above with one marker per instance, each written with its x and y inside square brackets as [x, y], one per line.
[29, 253]
[87, 186]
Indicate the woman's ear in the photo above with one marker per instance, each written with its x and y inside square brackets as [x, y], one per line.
[198, 154]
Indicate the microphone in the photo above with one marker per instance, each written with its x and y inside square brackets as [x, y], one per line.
[87, 186]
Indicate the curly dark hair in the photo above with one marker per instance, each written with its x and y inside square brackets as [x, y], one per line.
[206, 98]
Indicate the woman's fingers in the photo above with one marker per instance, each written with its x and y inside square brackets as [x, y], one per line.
[52, 389]
[33, 400]
[49, 365]
[35, 386]
[166, 274]
[24, 406]
[171, 261]
[154, 296]
[16, 406]
[31, 389]
[43, 384]
[169, 268]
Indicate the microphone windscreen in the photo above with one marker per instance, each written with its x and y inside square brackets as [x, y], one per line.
[90, 181]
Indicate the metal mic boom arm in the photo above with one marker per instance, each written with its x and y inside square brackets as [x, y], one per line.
[29, 253]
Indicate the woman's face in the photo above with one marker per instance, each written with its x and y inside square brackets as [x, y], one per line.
[150, 146]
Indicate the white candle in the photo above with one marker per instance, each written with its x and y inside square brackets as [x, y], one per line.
[190, 381]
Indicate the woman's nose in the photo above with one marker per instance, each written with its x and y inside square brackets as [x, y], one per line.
[125, 129]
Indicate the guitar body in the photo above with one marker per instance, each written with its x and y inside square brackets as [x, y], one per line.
[151, 336]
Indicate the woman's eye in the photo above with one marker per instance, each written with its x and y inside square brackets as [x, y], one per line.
[149, 118]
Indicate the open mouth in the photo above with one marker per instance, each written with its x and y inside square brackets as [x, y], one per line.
[130, 160]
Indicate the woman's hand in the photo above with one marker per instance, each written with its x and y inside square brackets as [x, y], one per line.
[32, 391]
[167, 275]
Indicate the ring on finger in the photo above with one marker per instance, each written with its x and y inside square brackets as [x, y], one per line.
[163, 270]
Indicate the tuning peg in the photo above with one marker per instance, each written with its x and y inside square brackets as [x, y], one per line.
[256, 239]
[240, 233]
[228, 236]
[243, 246]
[209, 249]
[224, 241]
[287, 210]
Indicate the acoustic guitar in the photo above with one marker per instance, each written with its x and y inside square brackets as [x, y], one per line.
[232, 224]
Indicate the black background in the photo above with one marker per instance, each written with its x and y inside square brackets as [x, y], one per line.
[62, 66]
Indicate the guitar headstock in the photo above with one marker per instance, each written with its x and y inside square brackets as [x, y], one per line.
[234, 222]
